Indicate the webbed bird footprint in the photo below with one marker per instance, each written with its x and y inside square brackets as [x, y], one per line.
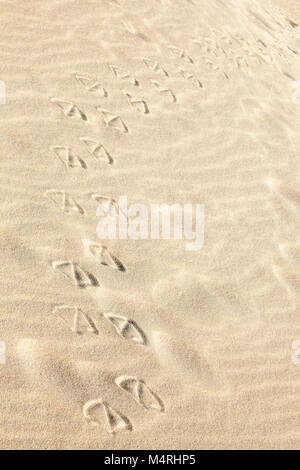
[69, 109]
[289, 195]
[103, 255]
[189, 76]
[122, 75]
[164, 90]
[112, 120]
[78, 321]
[67, 157]
[155, 66]
[126, 328]
[137, 103]
[115, 420]
[75, 273]
[64, 201]
[114, 2]
[91, 85]
[97, 150]
[141, 393]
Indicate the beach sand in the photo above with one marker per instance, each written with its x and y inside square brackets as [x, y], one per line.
[144, 344]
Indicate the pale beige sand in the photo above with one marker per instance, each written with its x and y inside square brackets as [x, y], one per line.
[206, 361]
[291, 10]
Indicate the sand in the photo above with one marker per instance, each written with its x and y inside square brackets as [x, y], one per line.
[144, 344]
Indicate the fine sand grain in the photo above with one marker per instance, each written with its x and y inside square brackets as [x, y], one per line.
[142, 344]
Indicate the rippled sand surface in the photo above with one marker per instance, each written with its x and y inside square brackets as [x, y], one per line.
[146, 345]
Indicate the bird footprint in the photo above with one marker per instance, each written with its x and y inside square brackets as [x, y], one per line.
[115, 420]
[141, 393]
[126, 328]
